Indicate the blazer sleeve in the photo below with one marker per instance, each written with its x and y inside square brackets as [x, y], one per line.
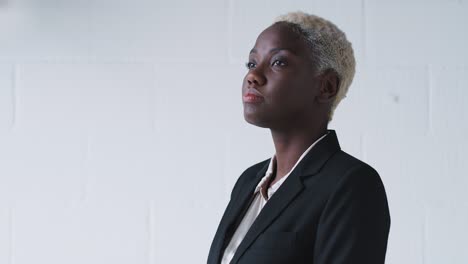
[355, 222]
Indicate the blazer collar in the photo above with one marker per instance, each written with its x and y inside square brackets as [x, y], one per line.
[319, 154]
[290, 188]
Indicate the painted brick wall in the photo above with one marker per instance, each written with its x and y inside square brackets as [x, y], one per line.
[121, 128]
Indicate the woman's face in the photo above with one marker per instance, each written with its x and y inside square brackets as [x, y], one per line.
[281, 74]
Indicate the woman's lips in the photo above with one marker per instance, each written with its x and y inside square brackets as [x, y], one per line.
[252, 98]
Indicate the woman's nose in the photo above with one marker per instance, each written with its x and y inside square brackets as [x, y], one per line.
[256, 79]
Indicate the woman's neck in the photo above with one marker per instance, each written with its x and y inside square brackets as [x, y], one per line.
[289, 146]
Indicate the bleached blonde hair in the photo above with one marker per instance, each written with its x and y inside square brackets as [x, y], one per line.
[329, 46]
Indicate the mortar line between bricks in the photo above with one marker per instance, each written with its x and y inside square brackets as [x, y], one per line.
[227, 158]
[430, 91]
[85, 172]
[14, 97]
[424, 235]
[363, 28]
[152, 97]
[230, 17]
[11, 235]
[151, 244]
[363, 146]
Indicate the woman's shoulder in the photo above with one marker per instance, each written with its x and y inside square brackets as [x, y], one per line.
[349, 169]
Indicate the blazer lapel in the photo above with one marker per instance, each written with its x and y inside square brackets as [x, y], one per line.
[289, 189]
[234, 215]
[283, 196]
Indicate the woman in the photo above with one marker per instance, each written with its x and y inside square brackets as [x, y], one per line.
[311, 202]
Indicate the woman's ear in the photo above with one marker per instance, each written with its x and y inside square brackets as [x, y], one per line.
[329, 84]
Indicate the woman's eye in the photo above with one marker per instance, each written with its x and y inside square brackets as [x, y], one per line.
[249, 65]
[278, 63]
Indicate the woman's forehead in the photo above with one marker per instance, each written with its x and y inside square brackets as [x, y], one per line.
[280, 36]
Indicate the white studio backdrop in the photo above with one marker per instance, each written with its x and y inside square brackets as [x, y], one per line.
[122, 134]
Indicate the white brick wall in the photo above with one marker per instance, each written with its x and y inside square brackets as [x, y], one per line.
[114, 141]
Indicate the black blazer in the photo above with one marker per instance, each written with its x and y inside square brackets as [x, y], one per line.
[331, 209]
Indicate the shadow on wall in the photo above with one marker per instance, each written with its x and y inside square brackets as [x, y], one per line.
[3, 3]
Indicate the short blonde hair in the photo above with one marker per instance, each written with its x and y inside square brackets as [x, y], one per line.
[330, 48]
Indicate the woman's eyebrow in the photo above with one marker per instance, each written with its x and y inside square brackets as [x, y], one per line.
[254, 50]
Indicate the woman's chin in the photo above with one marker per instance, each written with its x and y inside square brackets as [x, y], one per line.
[255, 119]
